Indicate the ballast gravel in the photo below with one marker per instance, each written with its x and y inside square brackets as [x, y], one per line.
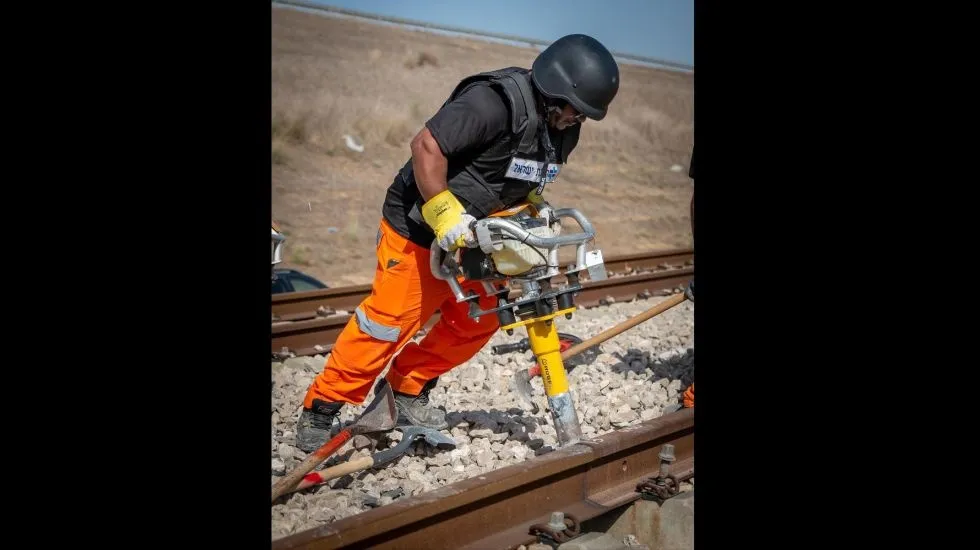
[636, 374]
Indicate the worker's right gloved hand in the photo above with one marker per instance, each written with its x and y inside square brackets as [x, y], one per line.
[450, 222]
[545, 211]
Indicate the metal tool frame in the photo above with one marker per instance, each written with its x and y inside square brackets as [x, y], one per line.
[536, 288]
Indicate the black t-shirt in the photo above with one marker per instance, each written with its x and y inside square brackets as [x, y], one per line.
[466, 130]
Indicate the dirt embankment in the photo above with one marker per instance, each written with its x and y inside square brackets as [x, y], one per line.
[378, 84]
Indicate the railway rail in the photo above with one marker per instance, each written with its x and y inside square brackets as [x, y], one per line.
[308, 323]
[508, 507]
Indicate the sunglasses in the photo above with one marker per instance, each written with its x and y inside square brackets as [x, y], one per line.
[577, 117]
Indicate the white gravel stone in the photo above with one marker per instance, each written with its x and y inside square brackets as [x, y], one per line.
[637, 373]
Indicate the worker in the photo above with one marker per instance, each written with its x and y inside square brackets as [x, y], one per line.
[496, 142]
[689, 392]
[687, 398]
[690, 173]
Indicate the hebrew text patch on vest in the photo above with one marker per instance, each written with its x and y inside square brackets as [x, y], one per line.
[530, 170]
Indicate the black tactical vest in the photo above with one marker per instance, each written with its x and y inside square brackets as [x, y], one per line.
[529, 136]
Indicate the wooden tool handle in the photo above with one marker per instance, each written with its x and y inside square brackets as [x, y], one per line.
[313, 460]
[342, 469]
[625, 325]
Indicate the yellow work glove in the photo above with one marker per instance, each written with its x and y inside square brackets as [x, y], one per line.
[534, 198]
[447, 217]
[544, 211]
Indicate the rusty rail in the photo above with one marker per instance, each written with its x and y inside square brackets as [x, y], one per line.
[497, 509]
[310, 334]
[347, 298]
[300, 330]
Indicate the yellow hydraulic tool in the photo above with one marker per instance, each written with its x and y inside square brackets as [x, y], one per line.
[518, 248]
[542, 335]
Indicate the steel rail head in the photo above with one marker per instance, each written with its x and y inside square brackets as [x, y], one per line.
[496, 509]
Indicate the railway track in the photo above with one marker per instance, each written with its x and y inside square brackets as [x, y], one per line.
[308, 323]
[506, 508]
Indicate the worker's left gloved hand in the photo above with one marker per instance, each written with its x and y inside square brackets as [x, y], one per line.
[545, 211]
[450, 222]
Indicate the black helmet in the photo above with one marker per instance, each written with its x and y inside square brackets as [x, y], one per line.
[580, 70]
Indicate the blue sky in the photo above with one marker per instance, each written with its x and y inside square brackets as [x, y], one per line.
[663, 29]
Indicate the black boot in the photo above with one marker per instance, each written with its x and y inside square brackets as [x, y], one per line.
[415, 409]
[315, 425]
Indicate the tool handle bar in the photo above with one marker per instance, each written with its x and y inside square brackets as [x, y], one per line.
[625, 325]
[521, 234]
[290, 480]
[511, 348]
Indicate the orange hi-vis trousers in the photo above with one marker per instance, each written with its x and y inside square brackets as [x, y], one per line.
[689, 396]
[403, 297]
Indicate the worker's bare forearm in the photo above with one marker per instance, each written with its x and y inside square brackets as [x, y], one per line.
[429, 165]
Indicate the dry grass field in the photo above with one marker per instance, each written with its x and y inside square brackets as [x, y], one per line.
[333, 77]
